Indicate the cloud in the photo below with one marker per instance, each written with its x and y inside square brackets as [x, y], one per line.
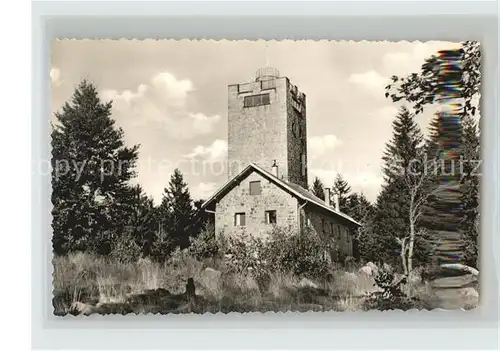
[385, 113]
[321, 145]
[217, 151]
[163, 100]
[371, 80]
[407, 61]
[188, 125]
[125, 96]
[55, 76]
[203, 190]
[171, 88]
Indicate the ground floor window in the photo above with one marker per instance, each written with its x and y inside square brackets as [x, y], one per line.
[271, 217]
[239, 219]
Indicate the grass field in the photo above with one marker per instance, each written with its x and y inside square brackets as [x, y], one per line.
[85, 284]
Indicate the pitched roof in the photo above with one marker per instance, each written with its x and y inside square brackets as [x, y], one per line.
[293, 188]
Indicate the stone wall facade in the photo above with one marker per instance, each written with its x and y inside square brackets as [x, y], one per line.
[330, 227]
[297, 136]
[275, 131]
[239, 200]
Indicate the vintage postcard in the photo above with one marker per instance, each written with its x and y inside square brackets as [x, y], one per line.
[253, 176]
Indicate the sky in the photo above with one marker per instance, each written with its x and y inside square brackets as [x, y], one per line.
[171, 98]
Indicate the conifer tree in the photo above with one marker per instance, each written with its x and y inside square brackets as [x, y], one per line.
[342, 189]
[450, 77]
[392, 218]
[358, 207]
[470, 191]
[203, 218]
[177, 213]
[91, 170]
[402, 151]
[318, 188]
[141, 223]
[445, 208]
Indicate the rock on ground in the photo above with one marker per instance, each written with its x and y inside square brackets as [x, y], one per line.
[456, 292]
[211, 280]
[373, 266]
[366, 270]
[350, 276]
[304, 282]
[81, 308]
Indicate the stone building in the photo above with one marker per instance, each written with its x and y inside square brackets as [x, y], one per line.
[267, 166]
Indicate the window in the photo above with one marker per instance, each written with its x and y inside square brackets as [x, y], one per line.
[256, 100]
[255, 188]
[323, 225]
[296, 105]
[245, 88]
[337, 232]
[239, 219]
[331, 228]
[271, 217]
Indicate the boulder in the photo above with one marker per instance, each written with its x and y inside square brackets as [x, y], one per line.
[461, 268]
[306, 283]
[470, 292]
[373, 266]
[210, 279]
[350, 276]
[78, 308]
[386, 267]
[366, 271]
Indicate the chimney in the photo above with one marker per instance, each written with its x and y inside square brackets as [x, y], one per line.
[326, 191]
[274, 168]
[336, 202]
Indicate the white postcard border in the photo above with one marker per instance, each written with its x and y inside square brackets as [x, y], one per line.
[355, 20]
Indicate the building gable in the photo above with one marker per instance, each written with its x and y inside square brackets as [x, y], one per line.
[301, 194]
[253, 204]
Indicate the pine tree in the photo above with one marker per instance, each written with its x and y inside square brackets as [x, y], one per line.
[445, 208]
[342, 189]
[91, 170]
[470, 191]
[318, 188]
[358, 207]
[401, 152]
[390, 221]
[177, 211]
[202, 217]
[451, 77]
[393, 215]
[141, 224]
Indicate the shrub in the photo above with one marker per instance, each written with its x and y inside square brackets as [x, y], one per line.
[206, 244]
[304, 253]
[126, 249]
[162, 246]
[245, 253]
[391, 295]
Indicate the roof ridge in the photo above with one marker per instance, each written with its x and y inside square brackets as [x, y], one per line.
[290, 186]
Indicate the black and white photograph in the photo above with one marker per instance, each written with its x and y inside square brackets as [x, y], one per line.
[207, 176]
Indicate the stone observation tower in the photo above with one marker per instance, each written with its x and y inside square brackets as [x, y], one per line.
[267, 166]
[267, 126]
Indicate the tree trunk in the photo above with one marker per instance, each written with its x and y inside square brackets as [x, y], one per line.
[410, 248]
[403, 256]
